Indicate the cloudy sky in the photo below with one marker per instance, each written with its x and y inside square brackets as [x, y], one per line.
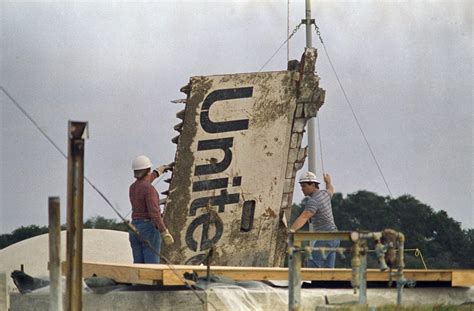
[406, 68]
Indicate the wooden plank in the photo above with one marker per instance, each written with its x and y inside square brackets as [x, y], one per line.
[170, 277]
[4, 295]
[252, 273]
[243, 275]
[462, 278]
[122, 273]
[118, 273]
[148, 273]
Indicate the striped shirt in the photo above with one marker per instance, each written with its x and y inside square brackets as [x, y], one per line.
[319, 203]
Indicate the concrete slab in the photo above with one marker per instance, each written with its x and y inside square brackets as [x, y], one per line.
[214, 299]
[410, 296]
[165, 300]
[248, 298]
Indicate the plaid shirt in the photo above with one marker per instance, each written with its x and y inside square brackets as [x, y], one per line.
[146, 203]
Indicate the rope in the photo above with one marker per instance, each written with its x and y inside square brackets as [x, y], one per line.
[56, 147]
[32, 120]
[320, 144]
[352, 110]
[279, 48]
[418, 254]
[130, 226]
[288, 31]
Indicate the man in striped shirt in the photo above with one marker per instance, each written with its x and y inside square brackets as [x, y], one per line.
[318, 211]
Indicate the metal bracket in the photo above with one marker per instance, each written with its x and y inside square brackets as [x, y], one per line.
[311, 21]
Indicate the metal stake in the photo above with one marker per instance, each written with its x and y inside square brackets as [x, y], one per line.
[294, 271]
[363, 277]
[401, 281]
[75, 193]
[55, 296]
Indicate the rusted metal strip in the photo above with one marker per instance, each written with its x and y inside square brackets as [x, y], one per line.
[77, 132]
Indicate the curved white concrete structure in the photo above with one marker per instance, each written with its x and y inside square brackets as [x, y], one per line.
[99, 246]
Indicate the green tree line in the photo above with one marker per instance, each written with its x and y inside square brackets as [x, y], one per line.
[440, 239]
[26, 232]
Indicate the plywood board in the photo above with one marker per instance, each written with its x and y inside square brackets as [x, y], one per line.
[148, 273]
[462, 278]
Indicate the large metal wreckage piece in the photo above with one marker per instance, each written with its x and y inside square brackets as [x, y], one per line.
[238, 151]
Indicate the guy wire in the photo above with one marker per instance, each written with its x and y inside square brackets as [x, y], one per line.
[352, 110]
[130, 226]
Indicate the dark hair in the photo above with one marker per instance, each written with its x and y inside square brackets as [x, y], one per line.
[316, 184]
[139, 174]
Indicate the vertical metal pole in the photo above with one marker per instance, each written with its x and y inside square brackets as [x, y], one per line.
[401, 264]
[363, 278]
[55, 297]
[75, 193]
[355, 264]
[309, 38]
[294, 271]
[312, 121]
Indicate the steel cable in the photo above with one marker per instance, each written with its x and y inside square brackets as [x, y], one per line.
[287, 39]
[352, 110]
[130, 226]
[320, 144]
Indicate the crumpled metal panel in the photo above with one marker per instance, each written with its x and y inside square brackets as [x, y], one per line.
[237, 155]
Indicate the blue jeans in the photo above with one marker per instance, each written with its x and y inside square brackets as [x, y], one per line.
[318, 261]
[141, 252]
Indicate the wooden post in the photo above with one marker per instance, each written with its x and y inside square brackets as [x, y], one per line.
[55, 297]
[75, 192]
[4, 295]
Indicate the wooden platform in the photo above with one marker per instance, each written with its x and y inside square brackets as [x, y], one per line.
[150, 273]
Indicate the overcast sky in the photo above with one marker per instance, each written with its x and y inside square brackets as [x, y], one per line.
[406, 68]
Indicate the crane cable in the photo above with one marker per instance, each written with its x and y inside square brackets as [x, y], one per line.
[279, 48]
[352, 110]
[131, 227]
[318, 119]
[288, 31]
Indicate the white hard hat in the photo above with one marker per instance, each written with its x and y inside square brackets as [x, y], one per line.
[309, 177]
[141, 162]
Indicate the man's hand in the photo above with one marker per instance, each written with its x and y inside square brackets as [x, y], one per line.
[167, 237]
[169, 167]
[327, 178]
[329, 186]
[132, 228]
[163, 169]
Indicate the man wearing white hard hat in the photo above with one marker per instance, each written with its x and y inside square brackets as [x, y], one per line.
[146, 213]
[318, 211]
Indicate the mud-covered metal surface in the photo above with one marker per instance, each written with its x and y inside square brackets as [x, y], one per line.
[237, 155]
